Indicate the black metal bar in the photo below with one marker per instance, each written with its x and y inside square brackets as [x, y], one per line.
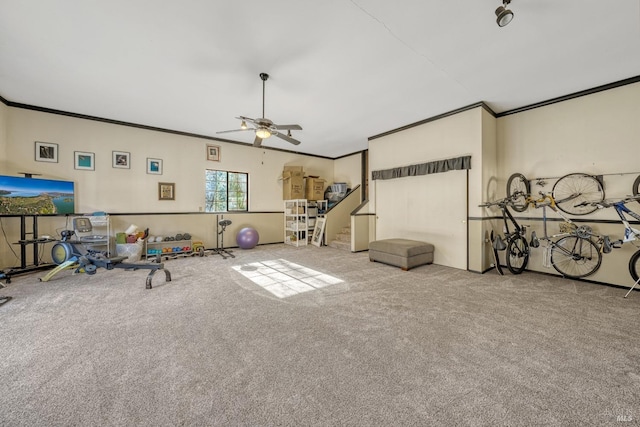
[23, 248]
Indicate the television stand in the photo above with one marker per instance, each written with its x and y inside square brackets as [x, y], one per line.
[24, 242]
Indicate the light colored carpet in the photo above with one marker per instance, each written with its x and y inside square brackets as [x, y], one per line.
[361, 344]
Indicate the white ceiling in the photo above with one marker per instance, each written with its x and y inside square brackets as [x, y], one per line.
[344, 70]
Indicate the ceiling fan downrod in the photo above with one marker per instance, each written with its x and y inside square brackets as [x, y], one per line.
[264, 77]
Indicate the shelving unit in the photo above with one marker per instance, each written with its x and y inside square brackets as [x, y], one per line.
[100, 237]
[296, 224]
[160, 249]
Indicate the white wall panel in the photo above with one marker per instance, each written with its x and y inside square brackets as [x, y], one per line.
[430, 208]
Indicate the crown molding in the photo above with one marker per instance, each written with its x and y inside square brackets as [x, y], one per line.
[434, 118]
[571, 96]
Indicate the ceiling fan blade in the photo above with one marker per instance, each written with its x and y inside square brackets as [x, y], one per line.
[257, 142]
[249, 119]
[287, 138]
[289, 127]
[235, 130]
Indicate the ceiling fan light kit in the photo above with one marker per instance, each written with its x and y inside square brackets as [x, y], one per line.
[504, 15]
[263, 127]
[263, 133]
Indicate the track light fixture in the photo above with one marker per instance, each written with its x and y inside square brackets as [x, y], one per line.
[504, 15]
[243, 125]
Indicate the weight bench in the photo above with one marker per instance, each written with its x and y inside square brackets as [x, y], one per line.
[403, 253]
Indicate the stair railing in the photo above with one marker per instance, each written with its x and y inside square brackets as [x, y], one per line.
[339, 215]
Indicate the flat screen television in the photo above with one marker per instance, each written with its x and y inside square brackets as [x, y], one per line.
[32, 196]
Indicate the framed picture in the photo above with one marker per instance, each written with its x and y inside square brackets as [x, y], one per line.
[84, 160]
[166, 191]
[213, 152]
[121, 160]
[46, 152]
[154, 166]
[318, 231]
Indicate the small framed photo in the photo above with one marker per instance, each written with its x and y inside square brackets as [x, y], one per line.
[154, 166]
[166, 191]
[84, 160]
[121, 160]
[46, 152]
[213, 152]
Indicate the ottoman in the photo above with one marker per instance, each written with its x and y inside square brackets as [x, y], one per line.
[403, 253]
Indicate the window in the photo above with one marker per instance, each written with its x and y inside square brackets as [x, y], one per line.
[226, 191]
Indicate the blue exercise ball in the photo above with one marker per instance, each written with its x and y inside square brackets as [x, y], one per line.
[247, 238]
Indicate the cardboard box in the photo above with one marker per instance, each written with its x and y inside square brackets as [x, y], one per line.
[293, 168]
[314, 189]
[292, 183]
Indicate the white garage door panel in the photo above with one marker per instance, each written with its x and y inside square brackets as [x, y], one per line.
[432, 208]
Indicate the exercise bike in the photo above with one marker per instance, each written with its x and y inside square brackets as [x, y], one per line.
[69, 254]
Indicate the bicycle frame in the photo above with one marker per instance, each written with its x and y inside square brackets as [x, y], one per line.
[582, 234]
[507, 216]
[518, 229]
[546, 258]
[517, 255]
[548, 201]
[630, 233]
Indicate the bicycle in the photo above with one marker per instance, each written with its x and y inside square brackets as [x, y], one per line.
[630, 234]
[574, 254]
[636, 187]
[573, 193]
[516, 246]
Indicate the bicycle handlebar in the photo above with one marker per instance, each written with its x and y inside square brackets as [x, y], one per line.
[503, 202]
[546, 199]
[609, 203]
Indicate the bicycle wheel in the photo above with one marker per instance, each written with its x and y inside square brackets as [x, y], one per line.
[575, 192]
[575, 257]
[634, 266]
[517, 254]
[636, 188]
[517, 183]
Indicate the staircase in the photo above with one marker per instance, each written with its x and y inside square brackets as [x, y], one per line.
[342, 240]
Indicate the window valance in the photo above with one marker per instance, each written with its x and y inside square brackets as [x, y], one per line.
[437, 166]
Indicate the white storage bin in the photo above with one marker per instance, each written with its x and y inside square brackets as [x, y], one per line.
[133, 251]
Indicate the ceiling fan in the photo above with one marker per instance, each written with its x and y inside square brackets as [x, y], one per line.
[263, 127]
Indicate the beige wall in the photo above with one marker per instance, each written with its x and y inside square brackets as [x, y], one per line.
[581, 134]
[479, 230]
[348, 169]
[433, 207]
[596, 134]
[202, 227]
[4, 111]
[133, 190]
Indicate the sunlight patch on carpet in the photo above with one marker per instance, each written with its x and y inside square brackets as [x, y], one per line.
[284, 278]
